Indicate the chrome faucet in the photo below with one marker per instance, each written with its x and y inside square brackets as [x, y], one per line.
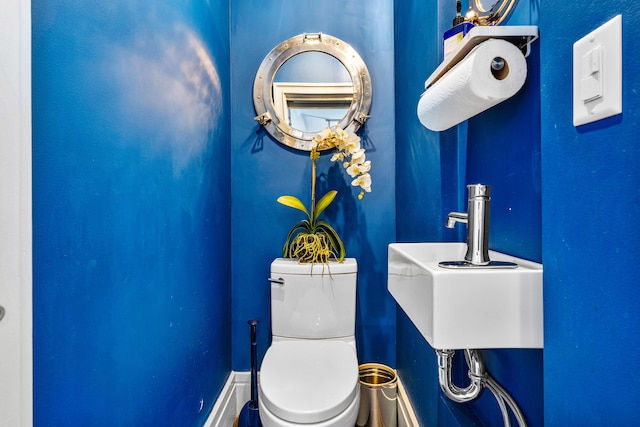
[477, 220]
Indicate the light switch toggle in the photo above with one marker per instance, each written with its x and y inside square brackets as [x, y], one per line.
[591, 82]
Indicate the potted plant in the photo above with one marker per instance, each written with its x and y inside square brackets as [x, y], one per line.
[313, 240]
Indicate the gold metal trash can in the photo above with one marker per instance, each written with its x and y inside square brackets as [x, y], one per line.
[378, 396]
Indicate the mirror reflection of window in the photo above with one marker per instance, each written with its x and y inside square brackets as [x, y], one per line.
[312, 91]
[315, 119]
[311, 107]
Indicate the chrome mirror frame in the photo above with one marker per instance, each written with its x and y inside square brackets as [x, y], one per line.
[358, 112]
[479, 14]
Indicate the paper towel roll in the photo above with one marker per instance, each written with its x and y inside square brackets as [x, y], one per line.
[472, 86]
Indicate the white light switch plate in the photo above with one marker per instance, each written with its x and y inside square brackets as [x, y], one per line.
[597, 73]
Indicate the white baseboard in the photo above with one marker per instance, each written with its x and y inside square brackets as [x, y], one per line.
[243, 389]
[406, 415]
[237, 391]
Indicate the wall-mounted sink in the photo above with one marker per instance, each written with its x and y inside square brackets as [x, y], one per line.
[468, 307]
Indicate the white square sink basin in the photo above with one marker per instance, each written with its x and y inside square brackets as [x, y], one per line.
[467, 307]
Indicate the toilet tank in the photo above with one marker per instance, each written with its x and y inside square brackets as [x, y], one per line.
[313, 301]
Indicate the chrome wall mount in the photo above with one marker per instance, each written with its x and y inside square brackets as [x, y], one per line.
[358, 111]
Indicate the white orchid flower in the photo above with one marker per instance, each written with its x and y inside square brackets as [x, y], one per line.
[363, 181]
[348, 151]
[352, 142]
[358, 156]
[359, 168]
[324, 134]
[324, 139]
[338, 156]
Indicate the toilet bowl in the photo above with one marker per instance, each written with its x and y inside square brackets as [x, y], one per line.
[309, 374]
[310, 383]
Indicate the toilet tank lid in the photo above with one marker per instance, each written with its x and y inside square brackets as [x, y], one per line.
[292, 266]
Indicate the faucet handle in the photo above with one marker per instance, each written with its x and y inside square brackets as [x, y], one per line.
[478, 190]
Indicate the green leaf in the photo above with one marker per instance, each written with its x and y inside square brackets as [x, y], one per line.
[293, 202]
[301, 227]
[323, 203]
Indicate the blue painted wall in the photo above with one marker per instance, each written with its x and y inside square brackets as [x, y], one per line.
[262, 169]
[131, 218]
[563, 196]
[145, 273]
[501, 147]
[591, 200]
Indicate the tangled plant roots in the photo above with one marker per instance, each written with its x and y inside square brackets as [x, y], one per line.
[312, 248]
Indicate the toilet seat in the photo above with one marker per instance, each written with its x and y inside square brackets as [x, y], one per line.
[308, 381]
[348, 418]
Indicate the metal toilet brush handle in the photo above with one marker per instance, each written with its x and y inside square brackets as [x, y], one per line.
[249, 416]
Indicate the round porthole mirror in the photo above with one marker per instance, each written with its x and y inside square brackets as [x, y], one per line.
[310, 82]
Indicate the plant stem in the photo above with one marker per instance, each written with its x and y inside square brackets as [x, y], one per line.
[314, 156]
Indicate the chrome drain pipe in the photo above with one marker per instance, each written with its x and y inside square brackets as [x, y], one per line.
[479, 378]
[476, 373]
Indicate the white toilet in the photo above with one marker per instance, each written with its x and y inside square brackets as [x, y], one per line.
[309, 375]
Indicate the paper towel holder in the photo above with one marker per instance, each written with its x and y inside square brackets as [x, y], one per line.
[520, 35]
